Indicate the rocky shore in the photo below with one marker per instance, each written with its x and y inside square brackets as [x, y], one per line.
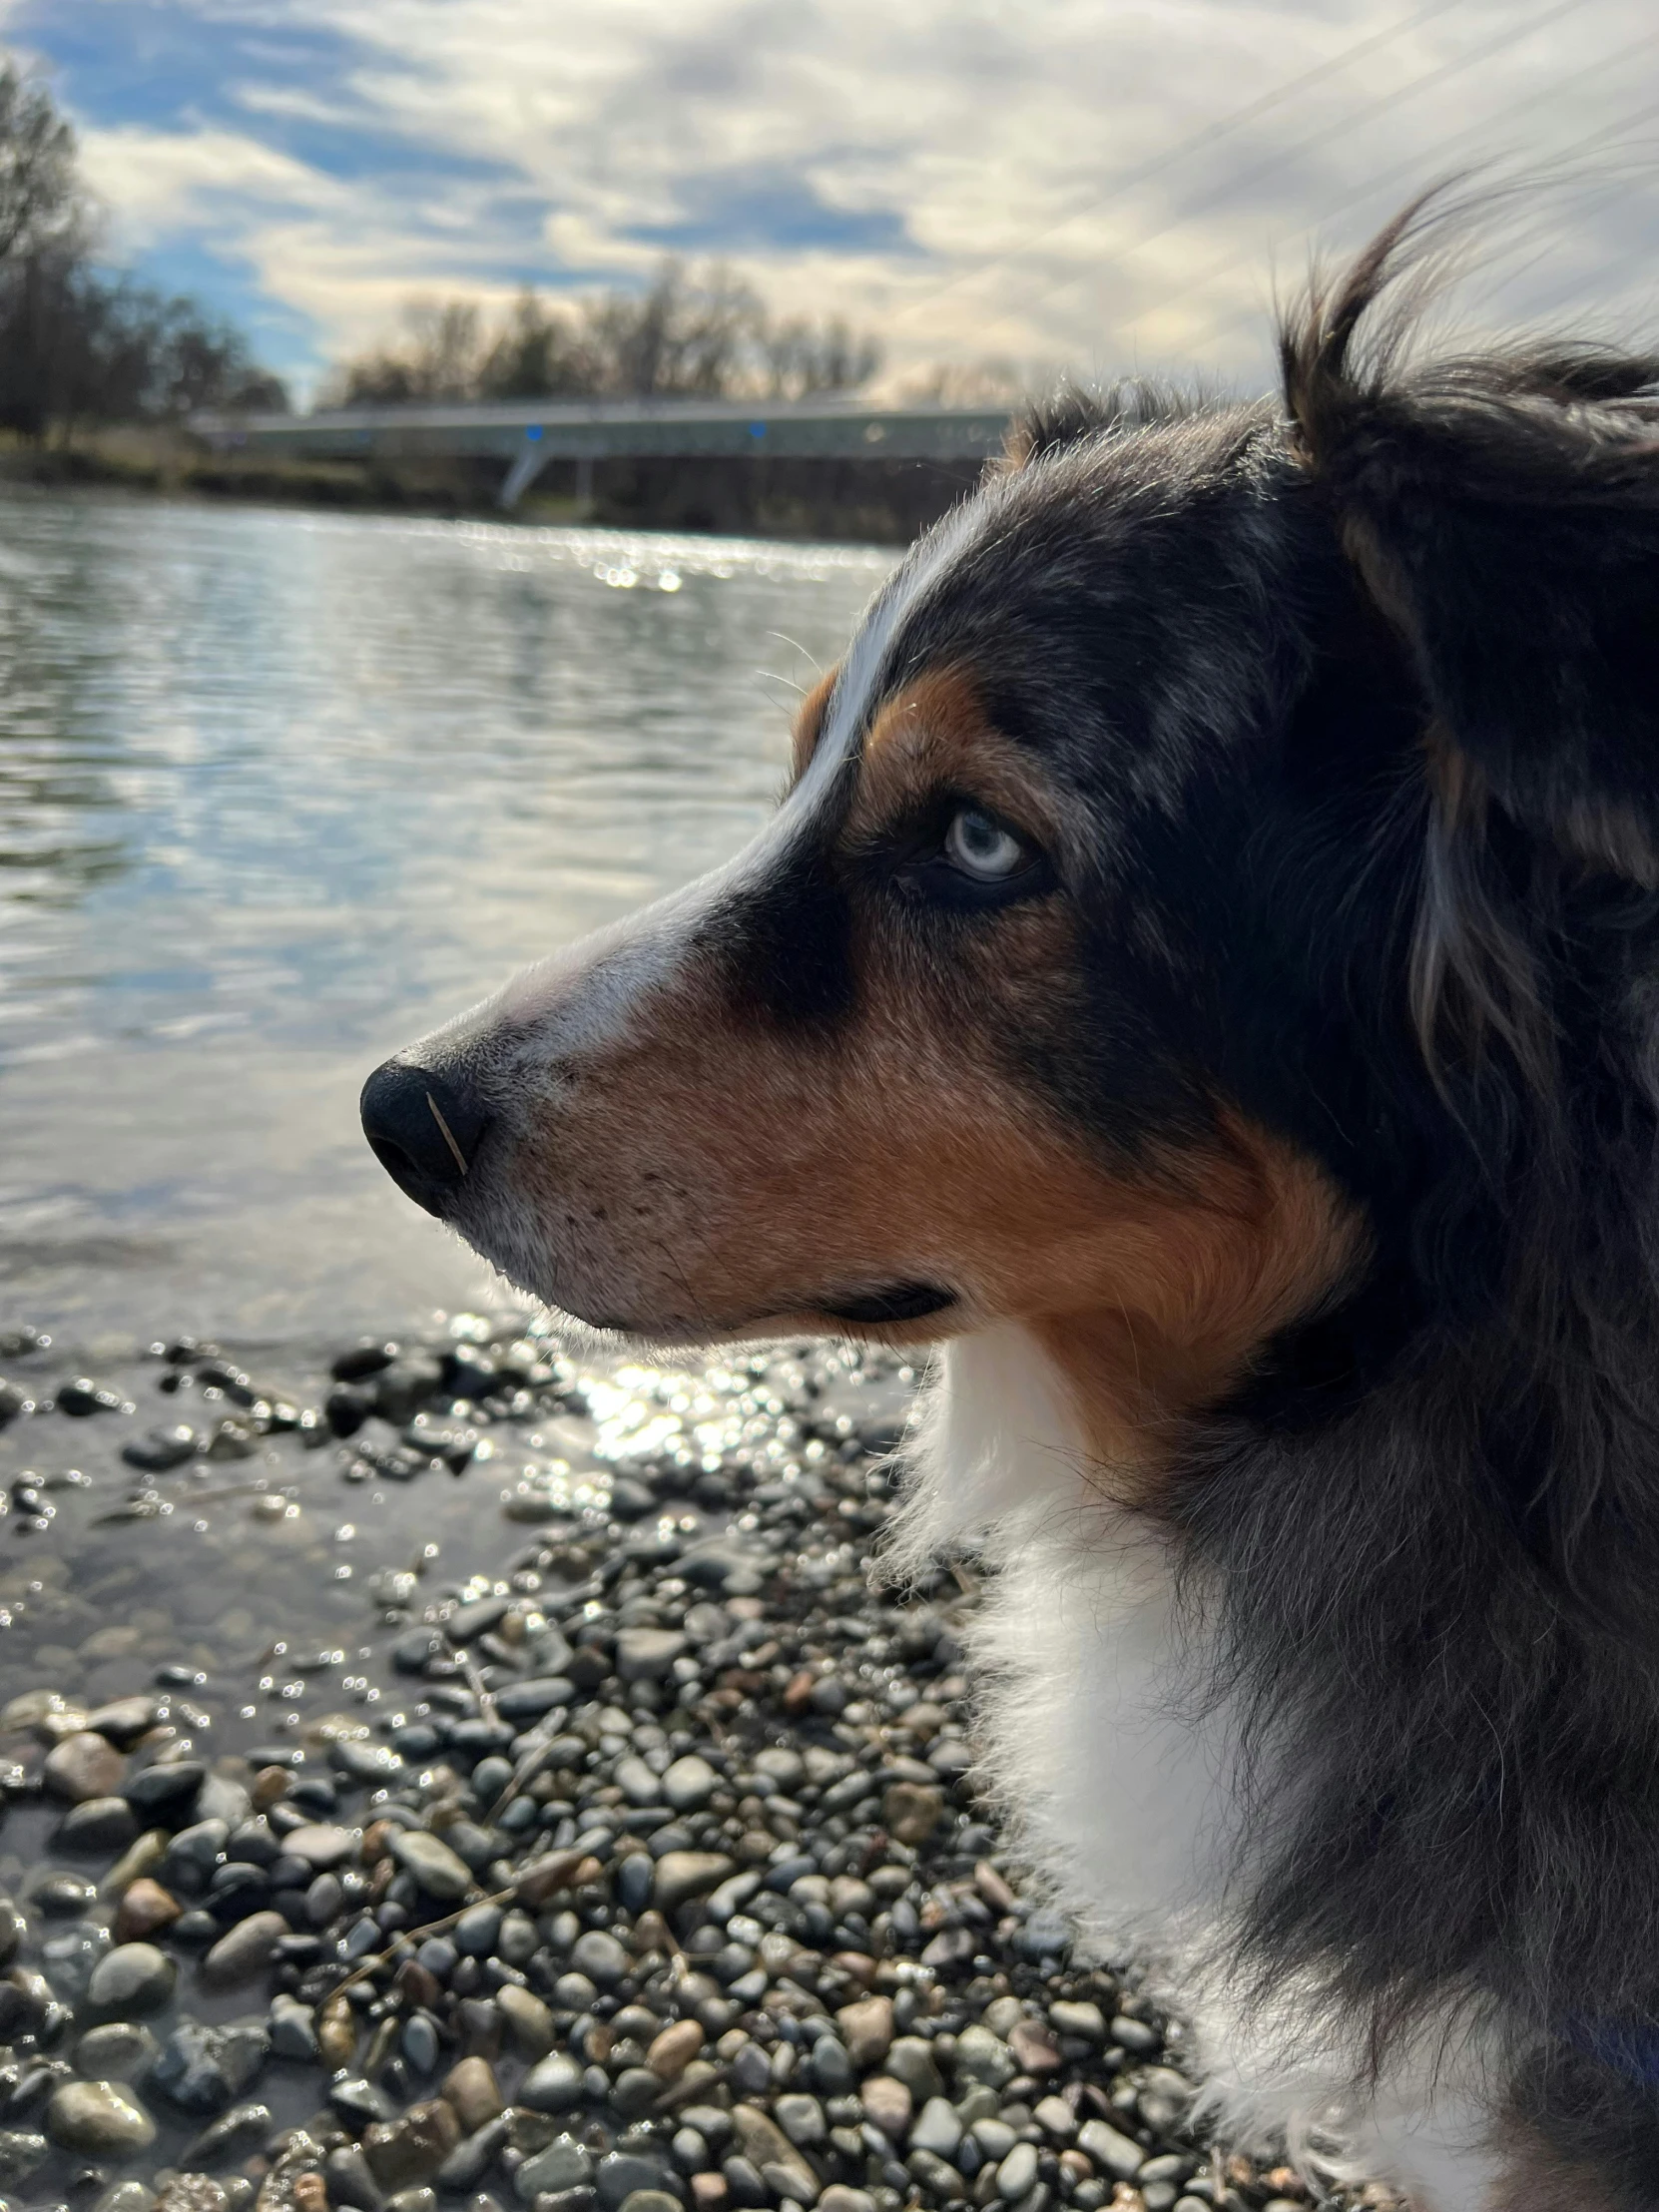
[617, 1854]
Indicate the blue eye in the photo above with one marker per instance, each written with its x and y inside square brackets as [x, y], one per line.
[982, 849]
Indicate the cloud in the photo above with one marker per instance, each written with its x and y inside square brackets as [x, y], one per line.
[1112, 185]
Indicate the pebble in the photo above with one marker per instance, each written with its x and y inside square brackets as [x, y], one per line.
[564, 2164]
[21, 2153]
[83, 1766]
[243, 1952]
[887, 2103]
[470, 2087]
[145, 1909]
[689, 1784]
[165, 1791]
[433, 1865]
[134, 1977]
[100, 2118]
[866, 2030]
[600, 1957]
[937, 2128]
[119, 2050]
[1017, 2173]
[554, 2085]
[293, 2027]
[911, 2061]
[321, 1845]
[202, 2068]
[763, 2142]
[982, 2057]
[528, 2019]
[647, 1654]
[684, 1874]
[1112, 2152]
[411, 2148]
[672, 2051]
[97, 1824]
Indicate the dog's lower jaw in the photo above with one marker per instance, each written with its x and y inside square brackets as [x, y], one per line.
[1112, 1763]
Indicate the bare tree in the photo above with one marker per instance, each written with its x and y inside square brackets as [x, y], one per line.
[42, 204]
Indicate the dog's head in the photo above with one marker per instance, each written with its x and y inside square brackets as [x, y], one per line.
[1086, 977]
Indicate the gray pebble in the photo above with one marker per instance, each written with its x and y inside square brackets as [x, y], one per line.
[564, 2164]
[1113, 2152]
[119, 2050]
[293, 2027]
[99, 2118]
[97, 1824]
[600, 1957]
[437, 1868]
[937, 2128]
[243, 1951]
[554, 2084]
[475, 1931]
[21, 2152]
[1017, 2173]
[134, 1977]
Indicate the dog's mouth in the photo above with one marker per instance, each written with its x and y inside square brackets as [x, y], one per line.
[885, 1305]
[890, 1302]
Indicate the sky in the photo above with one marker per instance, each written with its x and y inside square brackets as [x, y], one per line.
[1086, 184]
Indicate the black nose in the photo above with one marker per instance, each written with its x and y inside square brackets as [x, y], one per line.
[425, 1130]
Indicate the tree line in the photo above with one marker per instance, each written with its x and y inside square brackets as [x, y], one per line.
[693, 334]
[81, 342]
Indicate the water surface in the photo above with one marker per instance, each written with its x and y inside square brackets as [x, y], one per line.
[277, 792]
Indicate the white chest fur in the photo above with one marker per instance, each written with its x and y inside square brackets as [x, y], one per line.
[1114, 1767]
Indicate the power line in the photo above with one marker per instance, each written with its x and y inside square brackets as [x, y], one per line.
[1195, 143]
[1349, 122]
[1378, 179]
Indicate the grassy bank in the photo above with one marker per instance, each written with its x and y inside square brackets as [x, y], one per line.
[885, 502]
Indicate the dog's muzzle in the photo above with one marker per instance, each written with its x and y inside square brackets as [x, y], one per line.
[424, 1129]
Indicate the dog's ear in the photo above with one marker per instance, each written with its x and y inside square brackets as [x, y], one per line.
[1503, 513]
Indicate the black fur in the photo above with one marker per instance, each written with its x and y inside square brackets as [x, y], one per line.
[1358, 714]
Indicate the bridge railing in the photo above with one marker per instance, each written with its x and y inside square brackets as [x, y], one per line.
[526, 435]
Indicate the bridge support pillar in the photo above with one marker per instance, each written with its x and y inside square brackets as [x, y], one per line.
[529, 461]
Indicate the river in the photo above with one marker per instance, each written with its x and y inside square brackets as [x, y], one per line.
[279, 790]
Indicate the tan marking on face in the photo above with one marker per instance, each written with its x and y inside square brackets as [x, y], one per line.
[808, 724]
[934, 736]
[711, 1173]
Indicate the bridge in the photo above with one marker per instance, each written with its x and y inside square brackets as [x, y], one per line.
[526, 434]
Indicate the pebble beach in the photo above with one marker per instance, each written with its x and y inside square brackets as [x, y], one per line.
[614, 1847]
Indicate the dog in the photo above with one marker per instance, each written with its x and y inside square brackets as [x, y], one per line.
[1204, 974]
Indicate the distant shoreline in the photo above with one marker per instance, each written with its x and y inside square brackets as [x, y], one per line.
[879, 502]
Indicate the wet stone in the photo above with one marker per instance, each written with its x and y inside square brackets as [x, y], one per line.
[564, 2164]
[21, 2154]
[292, 2028]
[437, 1868]
[470, 2088]
[117, 2051]
[528, 2019]
[132, 1979]
[684, 1874]
[99, 1824]
[145, 1908]
[321, 1845]
[100, 2118]
[202, 2068]
[689, 1783]
[553, 2085]
[414, 2147]
[600, 1957]
[647, 1654]
[83, 1766]
[165, 1793]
